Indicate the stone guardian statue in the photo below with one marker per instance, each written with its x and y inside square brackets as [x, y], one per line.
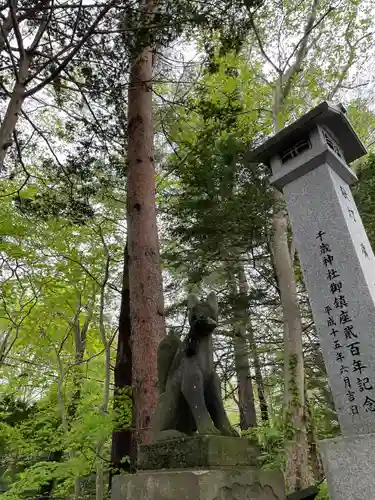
[190, 397]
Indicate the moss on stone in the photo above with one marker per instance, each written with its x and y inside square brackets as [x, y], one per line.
[197, 451]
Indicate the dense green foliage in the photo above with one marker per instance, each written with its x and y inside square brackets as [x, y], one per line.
[63, 219]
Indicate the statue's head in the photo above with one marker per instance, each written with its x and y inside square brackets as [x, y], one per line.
[203, 313]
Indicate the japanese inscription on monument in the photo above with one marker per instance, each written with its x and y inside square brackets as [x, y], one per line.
[339, 270]
[345, 340]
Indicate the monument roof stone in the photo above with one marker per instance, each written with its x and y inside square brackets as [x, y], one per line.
[332, 116]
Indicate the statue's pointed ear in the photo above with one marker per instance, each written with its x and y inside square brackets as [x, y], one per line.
[212, 300]
[192, 300]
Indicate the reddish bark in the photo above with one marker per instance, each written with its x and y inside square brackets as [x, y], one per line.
[145, 278]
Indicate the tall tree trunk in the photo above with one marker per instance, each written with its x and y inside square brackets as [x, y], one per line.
[258, 374]
[100, 479]
[244, 291]
[245, 388]
[241, 356]
[80, 335]
[297, 470]
[297, 473]
[145, 277]
[122, 443]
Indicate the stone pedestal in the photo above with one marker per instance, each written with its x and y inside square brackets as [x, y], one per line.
[199, 468]
[349, 463]
[197, 451]
[227, 483]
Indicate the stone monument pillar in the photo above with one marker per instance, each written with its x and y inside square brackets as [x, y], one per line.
[309, 161]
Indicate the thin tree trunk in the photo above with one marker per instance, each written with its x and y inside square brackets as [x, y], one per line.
[18, 95]
[60, 397]
[297, 471]
[258, 375]
[145, 278]
[99, 480]
[80, 335]
[68, 416]
[47, 489]
[80, 347]
[297, 475]
[122, 443]
[244, 291]
[316, 463]
[241, 357]
[296, 468]
[245, 388]
[13, 110]
[99, 484]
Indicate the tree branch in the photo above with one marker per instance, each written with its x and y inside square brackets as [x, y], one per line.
[5, 42]
[301, 47]
[76, 49]
[310, 26]
[348, 65]
[42, 28]
[13, 11]
[261, 48]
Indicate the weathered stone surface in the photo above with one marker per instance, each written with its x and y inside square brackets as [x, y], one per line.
[349, 464]
[197, 451]
[232, 483]
[339, 271]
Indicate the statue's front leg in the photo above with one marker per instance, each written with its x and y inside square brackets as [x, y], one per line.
[193, 391]
[216, 408]
[165, 417]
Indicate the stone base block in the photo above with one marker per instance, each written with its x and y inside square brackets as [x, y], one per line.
[197, 451]
[349, 464]
[232, 483]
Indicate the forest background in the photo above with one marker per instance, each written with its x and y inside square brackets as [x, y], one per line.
[124, 133]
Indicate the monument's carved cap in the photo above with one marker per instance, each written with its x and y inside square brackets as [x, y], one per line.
[331, 116]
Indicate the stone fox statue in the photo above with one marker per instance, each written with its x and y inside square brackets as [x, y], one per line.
[190, 398]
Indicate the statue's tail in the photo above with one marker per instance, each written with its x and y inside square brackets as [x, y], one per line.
[166, 352]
